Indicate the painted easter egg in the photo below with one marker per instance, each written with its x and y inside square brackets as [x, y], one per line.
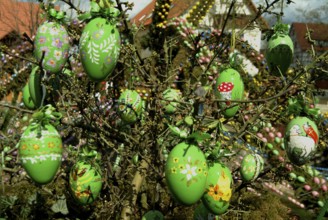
[186, 172]
[52, 39]
[279, 53]
[301, 140]
[35, 87]
[130, 106]
[40, 150]
[251, 166]
[229, 86]
[27, 100]
[85, 182]
[218, 189]
[153, 215]
[202, 213]
[100, 46]
[169, 96]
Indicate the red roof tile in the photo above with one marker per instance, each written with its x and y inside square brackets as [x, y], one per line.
[18, 17]
[320, 34]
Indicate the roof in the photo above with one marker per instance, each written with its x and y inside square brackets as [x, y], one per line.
[18, 17]
[181, 7]
[319, 34]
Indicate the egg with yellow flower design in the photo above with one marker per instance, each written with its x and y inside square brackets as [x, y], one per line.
[186, 172]
[40, 161]
[218, 189]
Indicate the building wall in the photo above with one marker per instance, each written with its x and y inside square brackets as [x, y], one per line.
[215, 19]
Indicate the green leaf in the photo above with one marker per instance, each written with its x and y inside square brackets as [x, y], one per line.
[199, 136]
[175, 130]
[213, 124]
[189, 120]
[60, 206]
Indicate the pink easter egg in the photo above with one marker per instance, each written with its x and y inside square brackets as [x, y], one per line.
[315, 193]
[260, 135]
[307, 187]
[316, 180]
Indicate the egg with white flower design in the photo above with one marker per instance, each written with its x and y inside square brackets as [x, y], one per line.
[99, 46]
[40, 150]
[186, 172]
[52, 40]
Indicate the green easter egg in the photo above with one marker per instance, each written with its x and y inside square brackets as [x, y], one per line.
[40, 150]
[301, 179]
[292, 175]
[301, 140]
[85, 182]
[34, 86]
[218, 189]
[153, 215]
[100, 47]
[275, 152]
[27, 100]
[202, 213]
[229, 86]
[130, 106]
[251, 167]
[52, 39]
[169, 96]
[279, 53]
[186, 172]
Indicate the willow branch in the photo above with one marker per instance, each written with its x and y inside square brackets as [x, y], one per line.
[20, 57]
[256, 100]
[16, 108]
[72, 6]
[258, 15]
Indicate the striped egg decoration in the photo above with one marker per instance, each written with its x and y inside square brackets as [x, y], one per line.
[85, 182]
[251, 166]
[130, 106]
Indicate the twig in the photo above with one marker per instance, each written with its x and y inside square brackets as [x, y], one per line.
[259, 14]
[17, 108]
[72, 6]
[256, 100]
[20, 57]
[28, 39]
